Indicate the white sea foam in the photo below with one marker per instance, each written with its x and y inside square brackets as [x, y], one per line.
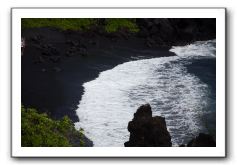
[109, 101]
[197, 49]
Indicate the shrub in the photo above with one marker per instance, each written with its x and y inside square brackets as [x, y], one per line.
[39, 130]
[107, 24]
[60, 23]
[115, 24]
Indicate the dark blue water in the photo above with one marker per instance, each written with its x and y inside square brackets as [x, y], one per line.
[205, 70]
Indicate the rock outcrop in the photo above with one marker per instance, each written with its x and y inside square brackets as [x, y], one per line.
[148, 131]
[202, 140]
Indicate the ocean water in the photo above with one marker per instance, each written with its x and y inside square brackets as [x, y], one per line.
[180, 88]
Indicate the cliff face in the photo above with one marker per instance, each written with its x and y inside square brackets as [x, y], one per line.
[173, 31]
[148, 131]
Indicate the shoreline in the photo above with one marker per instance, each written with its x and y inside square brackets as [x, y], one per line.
[56, 63]
[106, 105]
[55, 87]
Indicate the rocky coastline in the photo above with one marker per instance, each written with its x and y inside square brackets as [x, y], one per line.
[55, 63]
[148, 131]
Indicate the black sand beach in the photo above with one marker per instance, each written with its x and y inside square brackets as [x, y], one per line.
[56, 63]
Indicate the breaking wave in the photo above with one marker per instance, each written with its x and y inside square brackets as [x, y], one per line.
[110, 100]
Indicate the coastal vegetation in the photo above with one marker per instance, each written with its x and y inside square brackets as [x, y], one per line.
[114, 24]
[108, 25]
[39, 130]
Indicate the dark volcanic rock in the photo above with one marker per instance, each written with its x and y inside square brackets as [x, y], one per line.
[202, 140]
[57, 69]
[40, 59]
[37, 39]
[72, 43]
[173, 31]
[147, 131]
[55, 59]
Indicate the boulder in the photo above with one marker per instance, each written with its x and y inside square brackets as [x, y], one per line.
[39, 60]
[72, 43]
[202, 140]
[83, 51]
[57, 69]
[55, 59]
[49, 50]
[147, 131]
[37, 39]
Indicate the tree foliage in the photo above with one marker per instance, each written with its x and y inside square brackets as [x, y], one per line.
[39, 130]
[109, 25]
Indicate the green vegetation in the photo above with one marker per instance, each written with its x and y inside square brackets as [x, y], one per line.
[108, 25]
[61, 23]
[115, 24]
[39, 130]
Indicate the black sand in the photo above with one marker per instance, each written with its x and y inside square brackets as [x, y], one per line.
[52, 82]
